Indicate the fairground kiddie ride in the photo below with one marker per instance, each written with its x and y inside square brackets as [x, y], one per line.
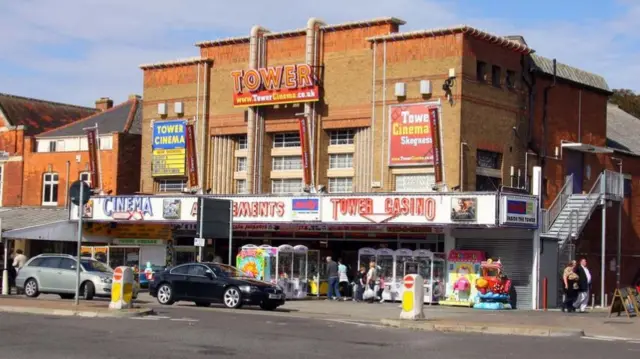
[286, 266]
[493, 287]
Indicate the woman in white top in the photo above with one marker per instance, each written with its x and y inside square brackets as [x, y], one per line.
[343, 279]
[372, 278]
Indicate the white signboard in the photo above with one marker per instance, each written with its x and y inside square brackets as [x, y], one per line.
[198, 242]
[521, 211]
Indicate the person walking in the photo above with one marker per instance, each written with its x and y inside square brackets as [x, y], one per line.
[19, 260]
[361, 282]
[584, 286]
[343, 279]
[332, 274]
[372, 278]
[570, 280]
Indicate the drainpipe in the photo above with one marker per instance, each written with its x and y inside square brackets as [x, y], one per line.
[251, 113]
[66, 205]
[311, 57]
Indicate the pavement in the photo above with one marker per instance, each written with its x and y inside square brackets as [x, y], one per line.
[180, 332]
[21, 304]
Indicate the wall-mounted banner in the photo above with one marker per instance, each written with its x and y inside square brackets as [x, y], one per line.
[274, 85]
[92, 144]
[192, 159]
[305, 209]
[464, 209]
[169, 148]
[518, 211]
[434, 115]
[411, 135]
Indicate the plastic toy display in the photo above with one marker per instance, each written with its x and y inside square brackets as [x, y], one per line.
[257, 261]
[431, 269]
[463, 268]
[493, 287]
[318, 285]
[385, 259]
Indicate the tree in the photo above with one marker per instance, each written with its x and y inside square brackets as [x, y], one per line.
[627, 100]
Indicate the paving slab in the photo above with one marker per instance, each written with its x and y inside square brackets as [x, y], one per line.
[68, 308]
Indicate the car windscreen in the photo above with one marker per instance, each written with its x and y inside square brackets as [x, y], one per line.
[95, 266]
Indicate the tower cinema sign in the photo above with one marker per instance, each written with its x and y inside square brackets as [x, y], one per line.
[274, 85]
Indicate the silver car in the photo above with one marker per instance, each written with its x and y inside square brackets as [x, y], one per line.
[56, 274]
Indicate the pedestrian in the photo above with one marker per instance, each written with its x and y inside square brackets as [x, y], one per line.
[332, 274]
[584, 285]
[361, 282]
[343, 279]
[570, 280]
[372, 278]
[19, 260]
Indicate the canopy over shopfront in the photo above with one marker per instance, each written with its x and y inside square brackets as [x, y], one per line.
[37, 223]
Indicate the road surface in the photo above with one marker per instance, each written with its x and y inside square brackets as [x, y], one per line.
[183, 333]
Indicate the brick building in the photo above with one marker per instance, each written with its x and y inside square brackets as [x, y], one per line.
[56, 157]
[335, 124]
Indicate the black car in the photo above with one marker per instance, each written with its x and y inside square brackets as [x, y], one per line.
[204, 283]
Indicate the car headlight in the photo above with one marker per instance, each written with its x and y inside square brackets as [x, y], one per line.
[106, 280]
[248, 288]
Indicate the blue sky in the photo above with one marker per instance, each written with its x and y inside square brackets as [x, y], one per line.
[76, 51]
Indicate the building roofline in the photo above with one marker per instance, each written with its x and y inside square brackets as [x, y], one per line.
[174, 63]
[44, 134]
[464, 29]
[302, 31]
[47, 102]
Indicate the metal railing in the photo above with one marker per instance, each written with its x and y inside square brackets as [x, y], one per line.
[552, 213]
[590, 203]
[613, 184]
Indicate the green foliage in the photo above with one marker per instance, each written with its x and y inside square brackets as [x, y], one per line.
[627, 100]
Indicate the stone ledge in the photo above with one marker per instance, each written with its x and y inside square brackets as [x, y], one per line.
[478, 328]
[86, 313]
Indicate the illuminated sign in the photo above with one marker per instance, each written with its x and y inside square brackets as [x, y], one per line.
[169, 148]
[274, 85]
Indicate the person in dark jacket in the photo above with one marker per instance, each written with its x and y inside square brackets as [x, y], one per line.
[584, 285]
[332, 274]
[570, 280]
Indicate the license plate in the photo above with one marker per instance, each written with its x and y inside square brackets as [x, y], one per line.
[275, 296]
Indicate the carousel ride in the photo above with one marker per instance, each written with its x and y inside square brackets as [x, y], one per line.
[493, 287]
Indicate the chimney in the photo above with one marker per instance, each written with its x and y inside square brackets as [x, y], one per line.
[104, 103]
[134, 97]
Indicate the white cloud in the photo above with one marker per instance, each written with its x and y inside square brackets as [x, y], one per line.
[108, 40]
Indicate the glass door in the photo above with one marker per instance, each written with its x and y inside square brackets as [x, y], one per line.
[124, 256]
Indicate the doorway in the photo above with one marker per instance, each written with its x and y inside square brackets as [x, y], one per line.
[574, 165]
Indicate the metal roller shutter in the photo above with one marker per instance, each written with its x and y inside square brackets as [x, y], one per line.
[516, 256]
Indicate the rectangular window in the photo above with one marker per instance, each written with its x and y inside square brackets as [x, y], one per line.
[415, 182]
[341, 137]
[488, 184]
[241, 164]
[242, 142]
[488, 159]
[52, 146]
[241, 186]
[86, 177]
[496, 76]
[171, 185]
[285, 186]
[481, 71]
[341, 185]
[289, 139]
[628, 185]
[341, 160]
[50, 189]
[511, 79]
[286, 163]
[106, 142]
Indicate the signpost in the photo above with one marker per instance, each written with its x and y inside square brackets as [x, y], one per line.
[215, 220]
[79, 194]
[5, 271]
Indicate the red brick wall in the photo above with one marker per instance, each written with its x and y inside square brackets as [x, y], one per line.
[12, 141]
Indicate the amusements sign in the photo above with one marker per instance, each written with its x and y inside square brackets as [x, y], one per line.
[274, 85]
[169, 148]
[413, 135]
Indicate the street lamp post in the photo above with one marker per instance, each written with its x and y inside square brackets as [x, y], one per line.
[620, 203]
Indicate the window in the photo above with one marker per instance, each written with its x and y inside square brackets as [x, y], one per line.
[86, 177]
[36, 262]
[341, 160]
[481, 71]
[106, 143]
[197, 270]
[184, 270]
[488, 159]
[415, 182]
[171, 185]
[628, 185]
[289, 139]
[283, 186]
[67, 263]
[496, 75]
[341, 137]
[286, 163]
[51, 262]
[341, 185]
[50, 189]
[487, 184]
[241, 186]
[241, 164]
[511, 79]
[242, 142]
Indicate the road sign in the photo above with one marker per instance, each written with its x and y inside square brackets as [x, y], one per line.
[117, 274]
[408, 282]
[75, 191]
[198, 242]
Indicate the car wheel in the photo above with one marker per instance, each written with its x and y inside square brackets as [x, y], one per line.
[165, 294]
[202, 304]
[31, 288]
[67, 296]
[268, 306]
[88, 290]
[231, 298]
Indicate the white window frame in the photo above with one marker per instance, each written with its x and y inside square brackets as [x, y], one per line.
[286, 140]
[86, 174]
[289, 181]
[241, 164]
[341, 161]
[164, 183]
[286, 163]
[336, 185]
[52, 183]
[341, 137]
[400, 178]
[241, 186]
[242, 142]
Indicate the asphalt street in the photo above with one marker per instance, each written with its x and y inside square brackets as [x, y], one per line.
[183, 333]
